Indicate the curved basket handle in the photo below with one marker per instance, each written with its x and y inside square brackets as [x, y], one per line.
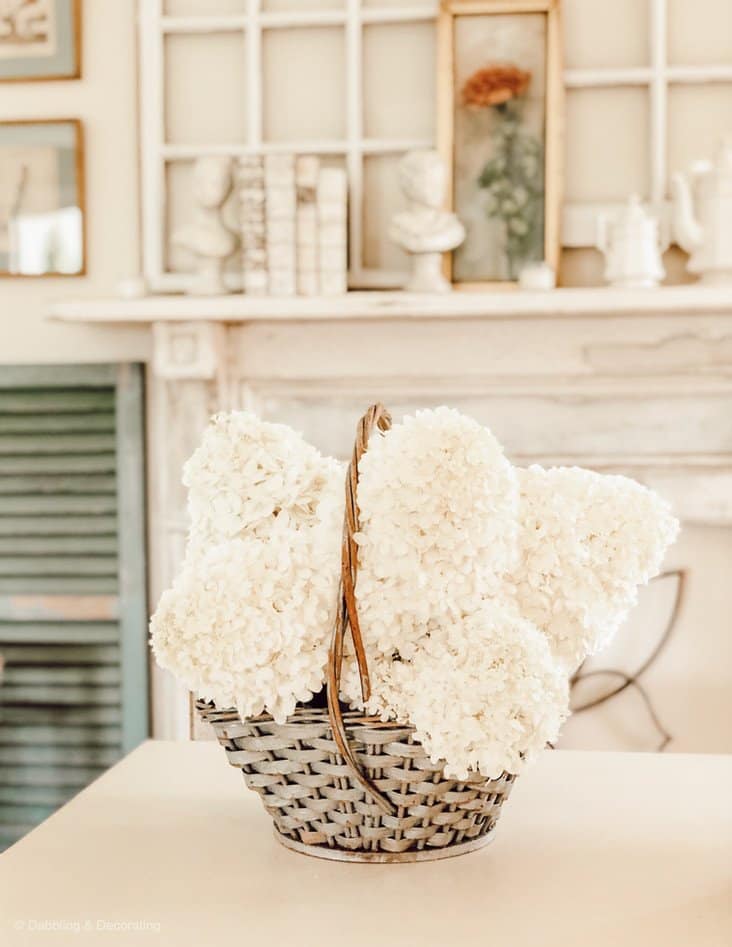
[376, 417]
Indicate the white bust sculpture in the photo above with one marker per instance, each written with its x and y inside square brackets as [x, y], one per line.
[425, 230]
[208, 237]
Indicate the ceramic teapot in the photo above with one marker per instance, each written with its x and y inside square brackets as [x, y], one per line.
[702, 215]
[632, 246]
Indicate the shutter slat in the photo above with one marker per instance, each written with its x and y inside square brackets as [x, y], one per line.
[57, 525]
[59, 464]
[58, 565]
[54, 676]
[58, 585]
[62, 504]
[33, 401]
[59, 655]
[54, 608]
[58, 545]
[56, 423]
[57, 483]
[83, 632]
[19, 444]
[54, 755]
[43, 695]
[61, 735]
[24, 814]
[36, 795]
[72, 776]
[60, 716]
[9, 834]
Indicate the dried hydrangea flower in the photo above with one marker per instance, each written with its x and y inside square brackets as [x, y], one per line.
[483, 693]
[247, 625]
[251, 477]
[587, 541]
[438, 506]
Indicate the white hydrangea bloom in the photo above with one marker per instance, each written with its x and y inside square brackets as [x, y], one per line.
[253, 478]
[484, 693]
[248, 625]
[438, 525]
[480, 586]
[247, 622]
[587, 542]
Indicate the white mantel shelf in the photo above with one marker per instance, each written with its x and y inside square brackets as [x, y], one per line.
[364, 306]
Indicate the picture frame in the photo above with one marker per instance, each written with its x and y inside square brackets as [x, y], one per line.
[42, 198]
[499, 131]
[40, 44]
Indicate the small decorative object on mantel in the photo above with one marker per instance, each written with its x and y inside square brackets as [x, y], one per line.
[294, 226]
[425, 230]
[499, 112]
[702, 216]
[632, 246]
[279, 200]
[307, 168]
[537, 277]
[332, 203]
[382, 678]
[208, 238]
[250, 181]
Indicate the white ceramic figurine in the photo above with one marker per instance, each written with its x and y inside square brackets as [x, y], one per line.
[208, 237]
[632, 246]
[425, 230]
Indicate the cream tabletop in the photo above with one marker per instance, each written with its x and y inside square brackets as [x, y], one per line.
[169, 848]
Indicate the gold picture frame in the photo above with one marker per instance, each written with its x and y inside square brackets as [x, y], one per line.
[42, 49]
[43, 230]
[494, 17]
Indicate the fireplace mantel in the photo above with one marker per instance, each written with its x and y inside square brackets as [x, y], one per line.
[358, 306]
[635, 382]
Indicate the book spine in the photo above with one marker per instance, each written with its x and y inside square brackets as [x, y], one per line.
[250, 183]
[279, 183]
[306, 224]
[332, 206]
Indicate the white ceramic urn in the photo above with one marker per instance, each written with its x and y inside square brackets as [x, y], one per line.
[632, 246]
[702, 215]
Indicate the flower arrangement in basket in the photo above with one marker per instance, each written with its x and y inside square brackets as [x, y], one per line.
[382, 677]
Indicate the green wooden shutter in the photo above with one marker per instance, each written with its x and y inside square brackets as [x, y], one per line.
[74, 694]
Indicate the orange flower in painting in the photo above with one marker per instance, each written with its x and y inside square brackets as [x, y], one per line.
[494, 85]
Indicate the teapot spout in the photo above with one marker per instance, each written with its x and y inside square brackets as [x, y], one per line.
[686, 228]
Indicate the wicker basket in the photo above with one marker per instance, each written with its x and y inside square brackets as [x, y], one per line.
[345, 785]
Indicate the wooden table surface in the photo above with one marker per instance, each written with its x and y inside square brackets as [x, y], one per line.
[169, 848]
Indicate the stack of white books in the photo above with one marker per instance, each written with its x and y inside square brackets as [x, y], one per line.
[294, 226]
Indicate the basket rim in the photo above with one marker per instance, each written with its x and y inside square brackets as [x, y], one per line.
[211, 713]
[380, 858]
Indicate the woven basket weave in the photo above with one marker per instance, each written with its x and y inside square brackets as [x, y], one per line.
[348, 786]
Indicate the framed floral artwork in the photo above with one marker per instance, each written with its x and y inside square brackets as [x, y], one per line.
[41, 198]
[499, 119]
[40, 39]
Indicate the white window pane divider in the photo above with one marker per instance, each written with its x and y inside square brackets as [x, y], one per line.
[578, 218]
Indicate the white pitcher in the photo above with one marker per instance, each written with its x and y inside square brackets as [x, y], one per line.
[702, 215]
[632, 245]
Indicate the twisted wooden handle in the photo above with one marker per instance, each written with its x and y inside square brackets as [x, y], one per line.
[376, 417]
